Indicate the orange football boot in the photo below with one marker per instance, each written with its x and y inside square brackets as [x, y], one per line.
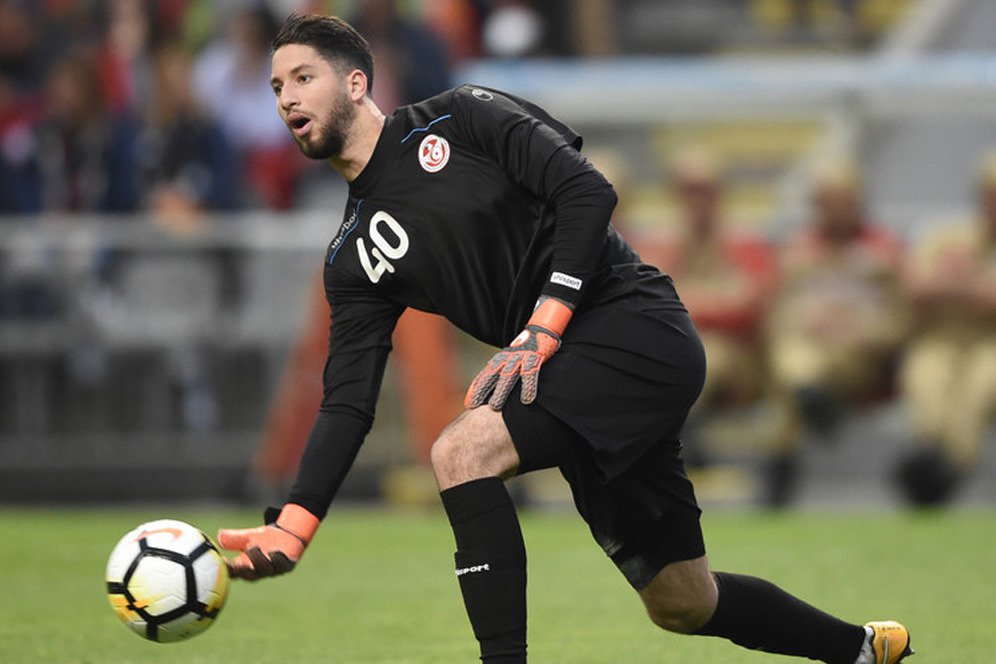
[890, 642]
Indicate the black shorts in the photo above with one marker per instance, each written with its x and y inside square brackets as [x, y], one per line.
[610, 406]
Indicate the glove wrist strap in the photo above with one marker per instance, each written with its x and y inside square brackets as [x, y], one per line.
[298, 521]
[552, 315]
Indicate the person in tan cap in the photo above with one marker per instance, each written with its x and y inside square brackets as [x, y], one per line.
[837, 322]
[726, 278]
[949, 376]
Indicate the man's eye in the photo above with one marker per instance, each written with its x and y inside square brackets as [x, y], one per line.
[277, 89]
[304, 78]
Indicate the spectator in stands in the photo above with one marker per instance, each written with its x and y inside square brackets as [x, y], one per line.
[191, 169]
[726, 277]
[24, 292]
[949, 375]
[125, 54]
[19, 189]
[837, 321]
[189, 164]
[410, 60]
[86, 155]
[63, 153]
[21, 64]
[21, 73]
[25, 288]
[232, 77]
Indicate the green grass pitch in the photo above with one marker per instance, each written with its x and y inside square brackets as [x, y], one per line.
[378, 586]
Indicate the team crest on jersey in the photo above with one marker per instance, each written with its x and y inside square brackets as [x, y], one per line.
[433, 153]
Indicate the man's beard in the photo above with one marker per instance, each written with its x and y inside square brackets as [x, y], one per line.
[332, 136]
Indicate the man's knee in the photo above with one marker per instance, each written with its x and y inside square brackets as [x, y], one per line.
[446, 452]
[682, 597]
[684, 616]
[475, 445]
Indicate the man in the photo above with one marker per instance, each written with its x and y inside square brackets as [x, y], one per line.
[473, 204]
[949, 372]
[837, 322]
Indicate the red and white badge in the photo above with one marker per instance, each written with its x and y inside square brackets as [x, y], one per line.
[433, 153]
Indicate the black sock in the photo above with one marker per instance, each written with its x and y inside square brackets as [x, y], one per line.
[759, 615]
[491, 566]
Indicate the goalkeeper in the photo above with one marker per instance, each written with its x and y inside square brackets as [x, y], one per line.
[479, 206]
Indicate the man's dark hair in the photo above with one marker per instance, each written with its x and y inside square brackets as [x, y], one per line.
[335, 40]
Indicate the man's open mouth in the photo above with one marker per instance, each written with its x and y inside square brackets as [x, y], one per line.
[299, 124]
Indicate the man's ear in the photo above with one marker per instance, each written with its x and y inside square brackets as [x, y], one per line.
[357, 83]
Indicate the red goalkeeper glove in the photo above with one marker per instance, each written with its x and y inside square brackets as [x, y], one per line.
[272, 549]
[522, 358]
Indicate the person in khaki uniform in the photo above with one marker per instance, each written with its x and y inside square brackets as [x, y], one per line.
[726, 279]
[949, 375]
[837, 321]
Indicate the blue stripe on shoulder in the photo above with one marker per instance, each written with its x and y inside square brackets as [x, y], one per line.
[426, 127]
[342, 238]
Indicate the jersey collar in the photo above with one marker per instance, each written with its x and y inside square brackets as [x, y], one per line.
[383, 154]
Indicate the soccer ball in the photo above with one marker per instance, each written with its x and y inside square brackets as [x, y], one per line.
[166, 581]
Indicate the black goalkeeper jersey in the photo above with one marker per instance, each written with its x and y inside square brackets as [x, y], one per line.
[473, 204]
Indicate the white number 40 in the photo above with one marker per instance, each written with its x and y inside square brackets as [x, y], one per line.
[384, 249]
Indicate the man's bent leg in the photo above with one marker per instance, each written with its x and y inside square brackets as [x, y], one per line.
[682, 597]
[686, 597]
[470, 458]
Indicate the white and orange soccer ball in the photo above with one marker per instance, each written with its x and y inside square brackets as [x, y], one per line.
[166, 580]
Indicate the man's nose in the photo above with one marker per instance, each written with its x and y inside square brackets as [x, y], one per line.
[287, 100]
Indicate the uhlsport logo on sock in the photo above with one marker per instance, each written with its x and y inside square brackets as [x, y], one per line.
[473, 569]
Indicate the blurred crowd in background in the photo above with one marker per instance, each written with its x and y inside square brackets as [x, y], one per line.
[839, 315]
[164, 108]
[115, 106]
[124, 105]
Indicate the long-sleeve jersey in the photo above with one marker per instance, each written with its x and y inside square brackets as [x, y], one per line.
[474, 203]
